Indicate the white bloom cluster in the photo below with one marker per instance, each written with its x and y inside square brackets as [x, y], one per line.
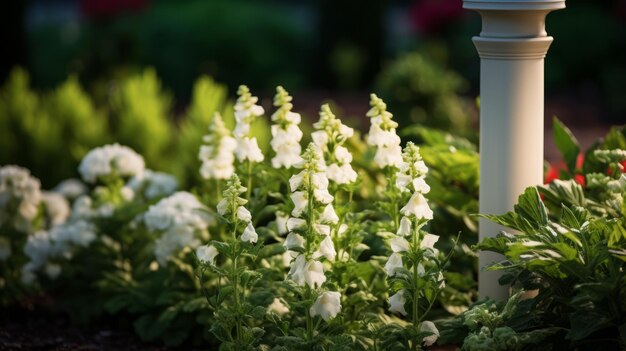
[232, 205]
[416, 213]
[181, 218]
[153, 185]
[246, 111]
[57, 208]
[218, 155]
[71, 188]
[382, 135]
[286, 134]
[20, 196]
[45, 249]
[313, 214]
[330, 136]
[111, 160]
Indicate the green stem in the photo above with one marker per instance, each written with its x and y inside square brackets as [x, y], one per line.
[415, 293]
[309, 319]
[249, 193]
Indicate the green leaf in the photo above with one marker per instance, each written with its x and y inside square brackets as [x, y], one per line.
[566, 143]
[532, 208]
[585, 323]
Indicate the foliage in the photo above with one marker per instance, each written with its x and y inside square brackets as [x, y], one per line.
[424, 93]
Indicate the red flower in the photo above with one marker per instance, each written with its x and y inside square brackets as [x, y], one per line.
[580, 179]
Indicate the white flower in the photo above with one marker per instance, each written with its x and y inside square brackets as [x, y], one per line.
[286, 134]
[207, 253]
[418, 207]
[322, 229]
[153, 184]
[343, 174]
[281, 223]
[402, 180]
[399, 244]
[300, 202]
[329, 215]
[57, 207]
[327, 249]
[71, 188]
[248, 149]
[222, 207]
[342, 155]
[381, 138]
[322, 196]
[243, 214]
[295, 224]
[111, 159]
[307, 272]
[388, 156]
[5, 248]
[327, 305]
[320, 138]
[19, 190]
[180, 217]
[393, 263]
[278, 307]
[293, 240]
[419, 184]
[405, 227]
[429, 327]
[396, 303]
[429, 240]
[295, 182]
[249, 234]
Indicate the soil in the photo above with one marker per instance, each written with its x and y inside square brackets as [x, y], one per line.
[27, 330]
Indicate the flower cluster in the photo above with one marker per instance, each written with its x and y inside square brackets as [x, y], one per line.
[153, 185]
[218, 155]
[411, 279]
[330, 136]
[286, 134]
[20, 195]
[232, 205]
[312, 216]
[182, 219]
[246, 111]
[382, 135]
[111, 161]
[46, 249]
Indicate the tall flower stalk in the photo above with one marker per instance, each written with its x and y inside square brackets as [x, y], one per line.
[217, 155]
[233, 310]
[309, 238]
[414, 269]
[382, 135]
[246, 112]
[286, 134]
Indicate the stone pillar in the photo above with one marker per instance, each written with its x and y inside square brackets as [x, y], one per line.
[512, 46]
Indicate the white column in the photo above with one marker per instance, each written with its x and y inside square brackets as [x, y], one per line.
[512, 46]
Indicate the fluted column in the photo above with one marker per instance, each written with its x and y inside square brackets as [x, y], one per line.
[512, 46]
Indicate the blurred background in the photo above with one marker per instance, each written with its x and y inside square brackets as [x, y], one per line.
[149, 73]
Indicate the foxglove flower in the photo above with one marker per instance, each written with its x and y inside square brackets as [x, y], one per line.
[382, 135]
[246, 111]
[217, 155]
[429, 327]
[331, 134]
[249, 234]
[309, 272]
[327, 305]
[286, 134]
[397, 301]
[207, 253]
